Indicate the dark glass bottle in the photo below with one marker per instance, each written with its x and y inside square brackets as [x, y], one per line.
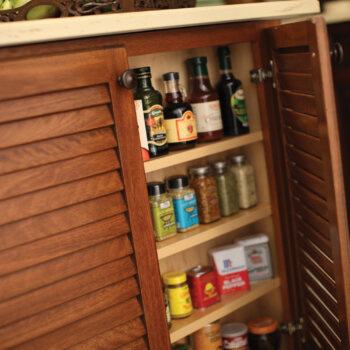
[232, 103]
[180, 123]
[204, 101]
[152, 111]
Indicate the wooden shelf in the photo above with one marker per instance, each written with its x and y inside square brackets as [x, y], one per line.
[204, 233]
[228, 304]
[201, 150]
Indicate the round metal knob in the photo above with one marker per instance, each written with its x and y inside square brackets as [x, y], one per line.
[337, 53]
[128, 79]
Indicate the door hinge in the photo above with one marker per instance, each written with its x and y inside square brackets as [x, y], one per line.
[260, 75]
[294, 327]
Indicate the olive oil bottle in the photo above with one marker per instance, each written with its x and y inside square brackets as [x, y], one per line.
[152, 111]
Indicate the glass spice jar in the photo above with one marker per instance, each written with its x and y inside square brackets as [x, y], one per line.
[162, 211]
[245, 181]
[185, 203]
[207, 194]
[263, 333]
[178, 294]
[227, 188]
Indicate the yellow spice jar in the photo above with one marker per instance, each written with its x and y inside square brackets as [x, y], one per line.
[178, 294]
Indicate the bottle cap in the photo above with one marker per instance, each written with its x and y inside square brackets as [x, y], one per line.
[171, 76]
[262, 325]
[219, 166]
[233, 329]
[224, 58]
[143, 71]
[178, 181]
[198, 66]
[239, 160]
[155, 188]
[175, 277]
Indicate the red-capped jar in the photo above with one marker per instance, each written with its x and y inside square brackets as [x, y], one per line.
[204, 287]
[263, 333]
[234, 336]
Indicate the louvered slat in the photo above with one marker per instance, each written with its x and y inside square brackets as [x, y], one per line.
[303, 141]
[296, 82]
[114, 338]
[301, 122]
[64, 219]
[139, 344]
[301, 103]
[294, 62]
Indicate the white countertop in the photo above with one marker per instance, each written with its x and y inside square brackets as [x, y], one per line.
[25, 32]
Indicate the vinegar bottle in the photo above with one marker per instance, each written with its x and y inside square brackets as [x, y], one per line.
[204, 101]
[180, 123]
[232, 103]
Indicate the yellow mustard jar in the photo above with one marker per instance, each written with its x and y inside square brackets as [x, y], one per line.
[178, 294]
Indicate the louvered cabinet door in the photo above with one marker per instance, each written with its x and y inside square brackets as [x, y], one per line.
[78, 265]
[314, 181]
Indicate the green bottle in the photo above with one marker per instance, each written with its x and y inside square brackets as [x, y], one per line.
[152, 111]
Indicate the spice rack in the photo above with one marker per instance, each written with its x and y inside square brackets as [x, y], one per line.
[188, 249]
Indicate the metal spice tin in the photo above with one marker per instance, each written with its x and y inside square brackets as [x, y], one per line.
[204, 287]
[208, 337]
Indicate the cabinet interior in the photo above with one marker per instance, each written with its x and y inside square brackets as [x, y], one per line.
[177, 255]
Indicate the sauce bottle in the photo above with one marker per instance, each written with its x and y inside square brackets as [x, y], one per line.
[204, 101]
[232, 103]
[180, 123]
[152, 111]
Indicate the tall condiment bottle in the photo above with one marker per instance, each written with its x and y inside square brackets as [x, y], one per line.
[179, 119]
[204, 101]
[232, 103]
[152, 111]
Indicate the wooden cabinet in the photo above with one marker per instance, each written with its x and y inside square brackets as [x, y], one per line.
[79, 264]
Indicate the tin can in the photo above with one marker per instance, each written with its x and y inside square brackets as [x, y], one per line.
[208, 337]
[234, 336]
[204, 287]
[178, 294]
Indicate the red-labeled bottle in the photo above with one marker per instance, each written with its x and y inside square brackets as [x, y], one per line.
[204, 101]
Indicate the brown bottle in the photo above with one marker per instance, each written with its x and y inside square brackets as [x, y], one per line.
[204, 101]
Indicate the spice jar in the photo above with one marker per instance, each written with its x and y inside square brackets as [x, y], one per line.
[227, 189]
[245, 181]
[185, 203]
[207, 194]
[208, 337]
[234, 336]
[178, 294]
[263, 334]
[162, 211]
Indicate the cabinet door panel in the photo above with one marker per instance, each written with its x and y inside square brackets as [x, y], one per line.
[78, 263]
[313, 183]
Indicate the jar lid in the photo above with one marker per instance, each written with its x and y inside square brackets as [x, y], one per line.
[155, 188]
[171, 76]
[240, 159]
[200, 170]
[175, 277]
[219, 166]
[178, 181]
[233, 329]
[262, 325]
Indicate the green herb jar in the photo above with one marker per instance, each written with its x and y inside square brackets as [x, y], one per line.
[245, 181]
[227, 188]
[162, 210]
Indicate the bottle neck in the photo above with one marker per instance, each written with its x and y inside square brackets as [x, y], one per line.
[201, 83]
[144, 83]
[172, 92]
[225, 65]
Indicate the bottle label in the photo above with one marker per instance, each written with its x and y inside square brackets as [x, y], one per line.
[163, 219]
[186, 211]
[142, 129]
[180, 300]
[238, 106]
[208, 116]
[155, 126]
[181, 129]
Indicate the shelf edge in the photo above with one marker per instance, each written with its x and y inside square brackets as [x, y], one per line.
[249, 296]
[262, 211]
